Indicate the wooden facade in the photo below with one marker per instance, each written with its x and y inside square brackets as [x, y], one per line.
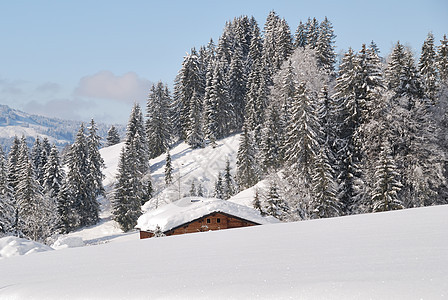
[213, 221]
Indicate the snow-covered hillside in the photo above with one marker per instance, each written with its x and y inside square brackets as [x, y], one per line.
[200, 166]
[394, 255]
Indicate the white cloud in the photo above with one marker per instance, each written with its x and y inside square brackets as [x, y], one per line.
[48, 88]
[69, 109]
[128, 87]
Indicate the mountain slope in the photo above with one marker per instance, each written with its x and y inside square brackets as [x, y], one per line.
[18, 123]
[393, 255]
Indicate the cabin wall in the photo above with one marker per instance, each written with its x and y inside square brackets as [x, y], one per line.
[215, 221]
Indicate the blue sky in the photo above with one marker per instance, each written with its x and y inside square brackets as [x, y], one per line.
[83, 59]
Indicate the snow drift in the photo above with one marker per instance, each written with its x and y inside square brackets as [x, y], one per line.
[393, 255]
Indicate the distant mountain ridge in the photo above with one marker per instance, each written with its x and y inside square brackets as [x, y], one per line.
[14, 122]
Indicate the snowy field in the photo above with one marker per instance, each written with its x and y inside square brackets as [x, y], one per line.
[393, 255]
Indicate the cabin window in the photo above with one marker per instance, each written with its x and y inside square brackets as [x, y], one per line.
[218, 220]
[208, 221]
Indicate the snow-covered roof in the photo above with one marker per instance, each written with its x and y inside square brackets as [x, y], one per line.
[189, 209]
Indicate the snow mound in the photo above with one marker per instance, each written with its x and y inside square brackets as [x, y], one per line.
[188, 209]
[392, 255]
[64, 242]
[14, 246]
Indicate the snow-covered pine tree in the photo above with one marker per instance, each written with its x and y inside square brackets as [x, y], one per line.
[37, 217]
[219, 189]
[300, 36]
[113, 137]
[8, 214]
[237, 82]
[269, 50]
[255, 48]
[189, 81]
[38, 158]
[247, 173]
[256, 100]
[137, 140]
[312, 32]
[274, 204]
[46, 148]
[302, 140]
[148, 190]
[325, 202]
[386, 183]
[256, 203]
[193, 191]
[374, 48]
[128, 194]
[349, 117]
[442, 59]
[301, 146]
[401, 74]
[13, 165]
[272, 140]
[218, 110]
[129, 189]
[225, 46]
[158, 130]
[428, 68]
[326, 57]
[96, 162]
[168, 169]
[53, 174]
[194, 134]
[228, 184]
[80, 185]
[200, 190]
[283, 42]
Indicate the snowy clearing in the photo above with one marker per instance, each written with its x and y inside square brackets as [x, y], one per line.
[395, 255]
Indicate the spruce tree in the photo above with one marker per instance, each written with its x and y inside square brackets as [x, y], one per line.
[158, 130]
[386, 184]
[189, 81]
[46, 148]
[442, 59]
[237, 88]
[80, 184]
[326, 57]
[13, 165]
[113, 137]
[136, 139]
[256, 203]
[276, 206]
[300, 36]
[219, 189]
[7, 201]
[194, 133]
[96, 162]
[129, 190]
[39, 158]
[428, 69]
[228, 185]
[271, 140]
[37, 216]
[247, 172]
[53, 174]
[325, 203]
[401, 74]
[168, 169]
[312, 32]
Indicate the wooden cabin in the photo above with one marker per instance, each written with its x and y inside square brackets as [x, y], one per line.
[190, 215]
